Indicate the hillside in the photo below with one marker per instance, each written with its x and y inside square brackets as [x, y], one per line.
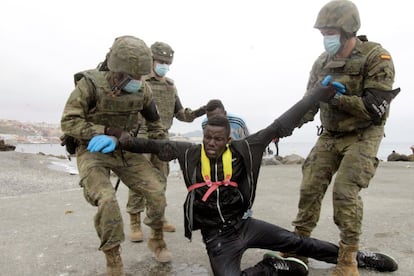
[28, 132]
[14, 132]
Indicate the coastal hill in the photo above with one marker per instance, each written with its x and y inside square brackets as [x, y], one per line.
[15, 132]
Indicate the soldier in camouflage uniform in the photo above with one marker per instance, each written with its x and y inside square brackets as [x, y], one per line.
[169, 106]
[353, 126]
[100, 102]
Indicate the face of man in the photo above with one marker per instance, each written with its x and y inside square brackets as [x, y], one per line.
[215, 139]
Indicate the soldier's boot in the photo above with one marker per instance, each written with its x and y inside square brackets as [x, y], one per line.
[114, 265]
[157, 245]
[136, 234]
[293, 255]
[168, 227]
[347, 260]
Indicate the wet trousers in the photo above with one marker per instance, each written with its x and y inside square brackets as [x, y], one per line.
[225, 248]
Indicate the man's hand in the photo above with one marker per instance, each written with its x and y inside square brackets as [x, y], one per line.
[200, 111]
[102, 143]
[123, 136]
[323, 93]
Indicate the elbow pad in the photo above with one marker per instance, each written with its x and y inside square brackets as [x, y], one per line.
[150, 112]
[377, 101]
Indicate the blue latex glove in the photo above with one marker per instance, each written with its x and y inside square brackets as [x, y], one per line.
[339, 87]
[102, 143]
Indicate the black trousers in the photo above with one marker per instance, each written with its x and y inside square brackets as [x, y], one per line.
[225, 248]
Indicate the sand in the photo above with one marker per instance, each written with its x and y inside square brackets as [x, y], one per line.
[47, 229]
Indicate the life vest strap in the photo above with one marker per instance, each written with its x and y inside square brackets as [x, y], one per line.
[213, 186]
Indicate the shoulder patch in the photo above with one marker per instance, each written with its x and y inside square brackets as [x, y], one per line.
[385, 57]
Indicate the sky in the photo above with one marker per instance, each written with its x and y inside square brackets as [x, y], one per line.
[253, 55]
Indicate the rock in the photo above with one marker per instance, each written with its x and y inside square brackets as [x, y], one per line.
[6, 147]
[270, 160]
[293, 159]
[394, 156]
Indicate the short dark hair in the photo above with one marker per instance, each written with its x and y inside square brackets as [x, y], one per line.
[214, 104]
[220, 121]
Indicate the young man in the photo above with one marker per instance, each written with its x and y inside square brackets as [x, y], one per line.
[238, 127]
[221, 177]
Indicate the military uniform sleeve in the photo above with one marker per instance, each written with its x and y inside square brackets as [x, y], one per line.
[379, 76]
[187, 114]
[74, 122]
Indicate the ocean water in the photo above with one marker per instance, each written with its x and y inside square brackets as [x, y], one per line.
[62, 164]
[285, 148]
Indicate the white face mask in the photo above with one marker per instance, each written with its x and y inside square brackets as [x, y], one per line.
[332, 43]
[161, 69]
[132, 86]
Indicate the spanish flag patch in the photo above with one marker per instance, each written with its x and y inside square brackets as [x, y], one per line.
[385, 56]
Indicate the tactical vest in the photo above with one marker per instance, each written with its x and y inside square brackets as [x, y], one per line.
[164, 93]
[352, 72]
[116, 111]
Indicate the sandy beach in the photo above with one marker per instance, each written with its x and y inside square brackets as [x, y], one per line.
[47, 229]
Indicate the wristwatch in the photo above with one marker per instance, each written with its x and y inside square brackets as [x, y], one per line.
[335, 100]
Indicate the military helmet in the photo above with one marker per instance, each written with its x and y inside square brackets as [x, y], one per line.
[130, 55]
[341, 14]
[163, 52]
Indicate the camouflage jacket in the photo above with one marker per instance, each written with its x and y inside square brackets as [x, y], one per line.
[369, 66]
[91, 107]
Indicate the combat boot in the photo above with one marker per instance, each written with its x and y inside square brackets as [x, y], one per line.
[376, 261]
[157, 245]
[285, 266]
[347, 262]
[168, 227]
[114, 265]
[136, 234]
[300, 233]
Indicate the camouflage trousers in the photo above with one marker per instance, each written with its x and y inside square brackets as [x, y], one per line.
[353, 158]
[137, 173]
[136, 200]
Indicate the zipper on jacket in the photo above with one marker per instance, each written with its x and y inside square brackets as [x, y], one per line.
[218, 193]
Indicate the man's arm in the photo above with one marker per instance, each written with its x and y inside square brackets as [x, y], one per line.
[187, 114]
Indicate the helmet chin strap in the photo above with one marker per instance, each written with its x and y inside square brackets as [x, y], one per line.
[346, 47]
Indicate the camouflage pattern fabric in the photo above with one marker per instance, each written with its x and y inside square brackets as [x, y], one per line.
[90, 108]
[139, 175]
[349, 143]
[164, 93]
[353, 158]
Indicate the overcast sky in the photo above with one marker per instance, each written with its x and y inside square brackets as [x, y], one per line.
[253, 55]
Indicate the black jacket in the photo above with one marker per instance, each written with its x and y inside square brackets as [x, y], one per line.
[227, 204]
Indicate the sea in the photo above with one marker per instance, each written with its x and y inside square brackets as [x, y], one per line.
[285, 148]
